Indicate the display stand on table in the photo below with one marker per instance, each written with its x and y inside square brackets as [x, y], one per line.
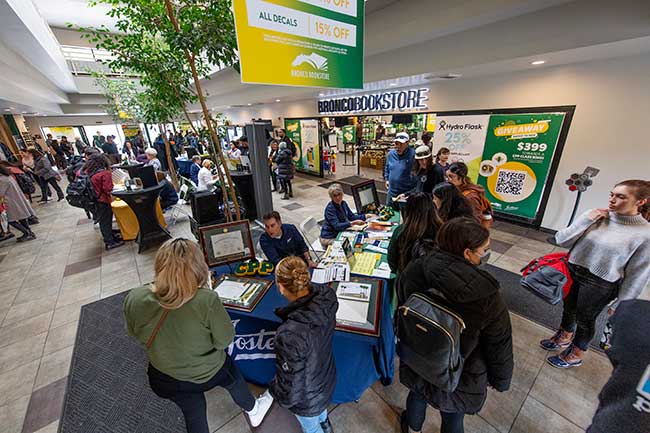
[143, 203]
[132, 169]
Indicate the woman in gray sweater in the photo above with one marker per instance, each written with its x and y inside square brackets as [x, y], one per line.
[609, 259]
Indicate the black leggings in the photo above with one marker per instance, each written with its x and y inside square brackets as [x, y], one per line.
[588, 297]
[104, 214]
[416, 410]
[22, 226]
[51, 181]
[190, 396]
[286, 186]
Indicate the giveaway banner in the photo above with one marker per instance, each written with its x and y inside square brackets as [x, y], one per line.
[516, 161]
[315, 43]
[464, 136]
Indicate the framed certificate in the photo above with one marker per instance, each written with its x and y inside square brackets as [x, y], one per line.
[359, 305]
[240, 293]
[365, 197]
[226, 243]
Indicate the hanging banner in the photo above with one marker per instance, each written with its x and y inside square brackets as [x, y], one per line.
[517, 159]
[292, 129]
[62, 131]
[309, 146]
[315, 43]
[130, 131]
[464, 136]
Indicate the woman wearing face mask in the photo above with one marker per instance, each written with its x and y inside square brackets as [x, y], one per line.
[486, 344]
[610, 258]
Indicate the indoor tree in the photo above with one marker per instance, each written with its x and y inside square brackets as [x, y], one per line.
[172, 45]
[126, 102]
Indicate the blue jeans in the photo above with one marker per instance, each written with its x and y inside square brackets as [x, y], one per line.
[311, 424]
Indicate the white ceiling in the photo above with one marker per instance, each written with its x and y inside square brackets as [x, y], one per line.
[58, 13]
[406, 41]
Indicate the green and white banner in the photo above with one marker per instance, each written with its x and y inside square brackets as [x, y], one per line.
[304, 134]
[316, 43]
[516, 160]
[464, 136]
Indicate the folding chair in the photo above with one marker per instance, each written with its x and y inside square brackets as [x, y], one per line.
[307, 228]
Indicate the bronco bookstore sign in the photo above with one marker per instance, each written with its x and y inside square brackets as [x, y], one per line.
[315, 43]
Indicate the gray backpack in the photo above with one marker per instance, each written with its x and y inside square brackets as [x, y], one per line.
[428, 340]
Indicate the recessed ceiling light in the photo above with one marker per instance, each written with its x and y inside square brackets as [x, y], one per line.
[277, 100]
[538, 62]
[393, 84]
[321, 94]
[249, 104]
[7, 109]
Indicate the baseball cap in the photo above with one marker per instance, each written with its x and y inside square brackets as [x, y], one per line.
[402, 137]
[422, 152]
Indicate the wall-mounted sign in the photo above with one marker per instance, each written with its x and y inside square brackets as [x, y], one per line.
[517, 157]
[316, 43]
[398, 100]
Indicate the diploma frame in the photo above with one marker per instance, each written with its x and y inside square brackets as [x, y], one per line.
[213, 258]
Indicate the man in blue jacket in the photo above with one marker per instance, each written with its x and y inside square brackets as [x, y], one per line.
[398, 168]
[283, 240]
[194, 169]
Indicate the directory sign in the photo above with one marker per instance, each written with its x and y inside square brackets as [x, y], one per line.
[315, 43]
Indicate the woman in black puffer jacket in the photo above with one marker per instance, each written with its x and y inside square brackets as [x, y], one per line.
[285, 169]
[486, 343]
[305, 374]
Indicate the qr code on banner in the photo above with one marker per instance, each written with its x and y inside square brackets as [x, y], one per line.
[510, 182]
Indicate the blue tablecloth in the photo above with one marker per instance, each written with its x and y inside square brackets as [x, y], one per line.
[184, 167]
[360, 360]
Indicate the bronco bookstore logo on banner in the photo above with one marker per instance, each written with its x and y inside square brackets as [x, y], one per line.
[316, 43]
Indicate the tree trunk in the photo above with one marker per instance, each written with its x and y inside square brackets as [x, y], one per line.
[206, 115]
[170, 161]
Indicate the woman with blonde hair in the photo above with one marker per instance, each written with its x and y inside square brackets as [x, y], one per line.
[305, 374]
[185, 330]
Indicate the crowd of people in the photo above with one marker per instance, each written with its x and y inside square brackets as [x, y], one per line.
[438, 252]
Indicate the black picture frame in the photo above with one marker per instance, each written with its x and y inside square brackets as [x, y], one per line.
[368, 207]
[206, 233]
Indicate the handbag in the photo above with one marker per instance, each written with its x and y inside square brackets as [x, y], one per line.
[548, 277]
[152, 337]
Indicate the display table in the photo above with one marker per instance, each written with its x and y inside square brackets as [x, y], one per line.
[360, 360]
[128, 222]
[143, 204]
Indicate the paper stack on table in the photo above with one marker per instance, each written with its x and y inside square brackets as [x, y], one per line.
[333, 272]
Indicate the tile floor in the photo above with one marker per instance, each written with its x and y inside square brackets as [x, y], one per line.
[44, 283]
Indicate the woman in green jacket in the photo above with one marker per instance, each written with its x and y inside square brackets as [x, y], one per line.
[185, 330]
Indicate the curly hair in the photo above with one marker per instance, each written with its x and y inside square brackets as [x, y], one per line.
[96, 162]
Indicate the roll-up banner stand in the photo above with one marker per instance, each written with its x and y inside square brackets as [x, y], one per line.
[305, 134]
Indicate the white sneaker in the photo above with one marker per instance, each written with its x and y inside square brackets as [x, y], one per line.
[262, 405]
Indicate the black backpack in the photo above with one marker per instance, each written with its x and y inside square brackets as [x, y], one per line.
[428, 340]
[25, 183]
[81, 193]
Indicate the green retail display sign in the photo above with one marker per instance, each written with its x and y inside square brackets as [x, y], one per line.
[316, 43]
[349, 134]
[304, 134]
[516, 160]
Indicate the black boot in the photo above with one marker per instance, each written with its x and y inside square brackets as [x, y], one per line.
[327, 426]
